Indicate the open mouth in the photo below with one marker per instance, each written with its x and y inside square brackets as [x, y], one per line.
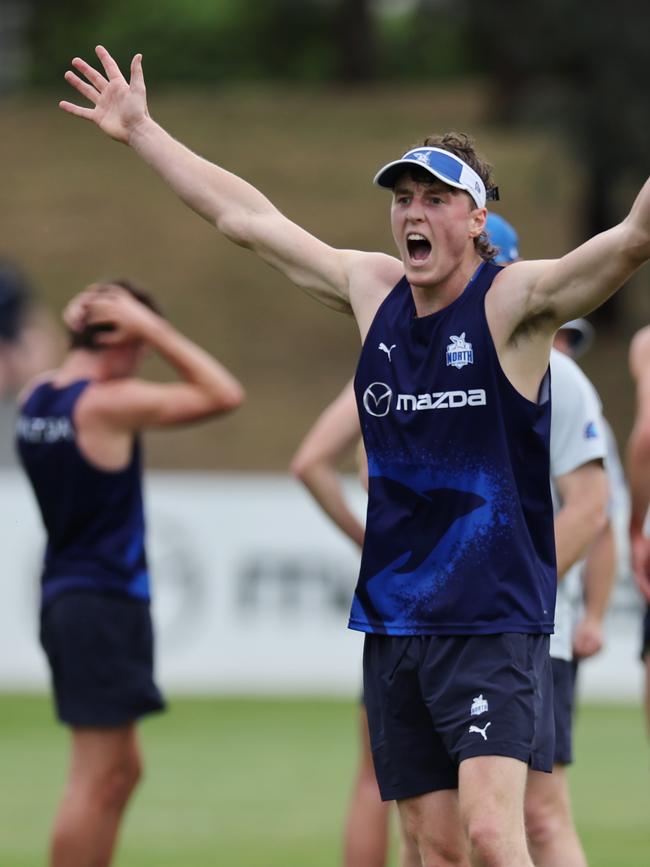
[418, 246]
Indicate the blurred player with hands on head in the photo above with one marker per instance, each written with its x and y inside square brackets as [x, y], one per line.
[452, 389]
[77, 436]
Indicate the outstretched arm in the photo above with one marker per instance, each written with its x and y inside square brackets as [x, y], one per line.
[537, 297]
[315, 462]
[238, 210]
[205, 388]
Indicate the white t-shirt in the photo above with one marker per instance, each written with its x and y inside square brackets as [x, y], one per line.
[577, 437]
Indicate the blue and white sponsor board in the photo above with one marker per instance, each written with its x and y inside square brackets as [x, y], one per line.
[252, 587]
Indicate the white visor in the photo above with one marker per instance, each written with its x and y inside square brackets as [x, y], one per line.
[442, 164]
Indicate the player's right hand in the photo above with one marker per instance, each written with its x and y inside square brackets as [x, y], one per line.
[119, 106]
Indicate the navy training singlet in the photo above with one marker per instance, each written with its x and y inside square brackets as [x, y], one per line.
[459, 534]
[94, 518]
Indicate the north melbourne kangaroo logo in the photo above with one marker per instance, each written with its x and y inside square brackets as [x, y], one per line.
[422, 156]
[479, 731]
[479, 706]
[459, 352]
[388, 351]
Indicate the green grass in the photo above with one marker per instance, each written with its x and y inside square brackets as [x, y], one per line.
[265, 783]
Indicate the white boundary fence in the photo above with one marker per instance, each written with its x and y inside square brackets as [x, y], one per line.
[252, 587]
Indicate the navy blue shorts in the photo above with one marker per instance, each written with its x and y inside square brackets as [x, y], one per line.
[434, 701]
[564, 678]
[100, 651]
[645, 647]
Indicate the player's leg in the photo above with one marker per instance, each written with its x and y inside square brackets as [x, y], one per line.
[366, 828]
[646, 663]
[411, 763]
[409, 854]
[552, 836]
[432, 822]
[100, 651]
[491, 794]
[490, 699]
[105, 768]
[645, 659]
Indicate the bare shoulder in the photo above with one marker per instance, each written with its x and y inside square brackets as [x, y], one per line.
[512, 303]
[515, 280]
[105, 400]
[32, 384]
[371, 278]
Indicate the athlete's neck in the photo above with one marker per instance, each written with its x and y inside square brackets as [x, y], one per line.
[432, 298]
[80, 364]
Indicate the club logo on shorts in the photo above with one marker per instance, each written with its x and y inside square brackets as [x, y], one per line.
[591, 431]
[479, 706]
[481, 732]
[377, 398]
[459, 352]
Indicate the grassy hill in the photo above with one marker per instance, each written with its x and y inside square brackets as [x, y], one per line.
[78, 207]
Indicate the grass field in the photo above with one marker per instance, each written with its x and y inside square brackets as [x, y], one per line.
[264, 783]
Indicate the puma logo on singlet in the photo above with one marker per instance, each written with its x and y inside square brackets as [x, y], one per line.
[388, 351]
[479, 731]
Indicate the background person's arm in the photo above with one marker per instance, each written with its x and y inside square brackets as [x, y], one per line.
[584, 494]
[205, 388]
[315, 463]
[638, 459]
[598, 578]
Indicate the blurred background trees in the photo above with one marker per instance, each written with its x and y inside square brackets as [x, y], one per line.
[580, 68]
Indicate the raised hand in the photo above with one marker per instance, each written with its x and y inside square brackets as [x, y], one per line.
[119, 106]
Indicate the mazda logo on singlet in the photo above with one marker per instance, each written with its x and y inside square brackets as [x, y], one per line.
[377, 398]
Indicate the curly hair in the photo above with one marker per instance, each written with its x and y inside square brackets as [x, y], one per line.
[462, 146]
